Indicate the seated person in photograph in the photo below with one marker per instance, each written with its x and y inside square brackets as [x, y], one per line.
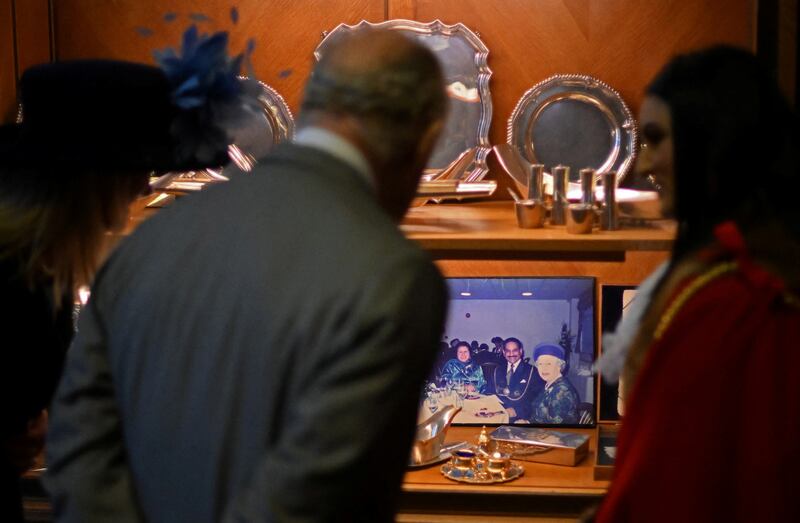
[497, 341]
[712, 417]
[558, 401]
[463, 369]
[515, 383]
[254, 352]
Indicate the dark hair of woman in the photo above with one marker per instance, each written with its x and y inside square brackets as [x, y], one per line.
[735, 146]
[58, 241]
[463, 344]
[734, 158]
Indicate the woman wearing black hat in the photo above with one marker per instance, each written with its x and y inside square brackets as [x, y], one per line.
[90, 135]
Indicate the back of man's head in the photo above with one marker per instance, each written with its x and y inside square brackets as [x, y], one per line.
[385, 93]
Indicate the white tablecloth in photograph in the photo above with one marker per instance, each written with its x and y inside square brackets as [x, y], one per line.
[485, 409]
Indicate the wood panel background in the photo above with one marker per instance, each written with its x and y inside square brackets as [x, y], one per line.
[630, 270]
[25, 40]
[623, 42]
[286, 31]
[32, 32]
[8, 68]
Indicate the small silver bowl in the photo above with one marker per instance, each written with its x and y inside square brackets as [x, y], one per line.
[498, 462]
[580, 218]
[464, 459]
[530, 213]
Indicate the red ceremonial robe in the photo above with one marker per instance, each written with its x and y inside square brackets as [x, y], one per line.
[712, 429]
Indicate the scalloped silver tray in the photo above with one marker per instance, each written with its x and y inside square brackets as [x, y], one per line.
[463, 56]
[267, 129]
[479, 477]
[575, 120]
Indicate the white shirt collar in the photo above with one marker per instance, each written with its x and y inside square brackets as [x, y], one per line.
[337, 146]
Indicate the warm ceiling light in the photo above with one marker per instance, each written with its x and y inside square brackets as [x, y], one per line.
[466, 294]
[526, 294]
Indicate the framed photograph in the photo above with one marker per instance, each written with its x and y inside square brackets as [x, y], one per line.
[606, 454]
[614, 301]
[517, 351]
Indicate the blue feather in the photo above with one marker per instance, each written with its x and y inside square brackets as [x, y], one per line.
[205, 86]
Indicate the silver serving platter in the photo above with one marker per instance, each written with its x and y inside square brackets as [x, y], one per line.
[575, 120]
[274, 124]
[462, 55]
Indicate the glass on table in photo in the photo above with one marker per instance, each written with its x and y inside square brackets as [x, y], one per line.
[433, 401]
[449, 385]
[463, 389]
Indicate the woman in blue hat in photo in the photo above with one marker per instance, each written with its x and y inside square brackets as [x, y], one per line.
[558, 402]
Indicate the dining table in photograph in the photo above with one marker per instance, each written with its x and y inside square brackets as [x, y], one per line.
[476, 409]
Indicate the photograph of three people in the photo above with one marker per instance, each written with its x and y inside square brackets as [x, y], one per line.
[516, 350]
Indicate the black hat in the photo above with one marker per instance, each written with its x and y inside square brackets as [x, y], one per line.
[102, 114]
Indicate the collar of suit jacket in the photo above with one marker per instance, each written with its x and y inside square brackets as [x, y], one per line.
[337, 146]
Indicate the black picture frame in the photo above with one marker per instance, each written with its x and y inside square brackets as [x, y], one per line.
[611, 310]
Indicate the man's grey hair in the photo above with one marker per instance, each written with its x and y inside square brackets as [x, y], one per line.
[395, 99]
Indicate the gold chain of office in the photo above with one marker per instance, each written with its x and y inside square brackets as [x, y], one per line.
[701, 281]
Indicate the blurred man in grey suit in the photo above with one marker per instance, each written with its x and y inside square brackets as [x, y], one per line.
[255, 352]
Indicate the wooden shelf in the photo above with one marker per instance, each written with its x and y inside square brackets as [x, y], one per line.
[492, 226]
[488, 230]
[543, 490]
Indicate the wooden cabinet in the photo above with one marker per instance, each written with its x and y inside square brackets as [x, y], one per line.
[483, 240]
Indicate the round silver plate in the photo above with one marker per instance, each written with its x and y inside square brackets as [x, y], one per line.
[575, 120]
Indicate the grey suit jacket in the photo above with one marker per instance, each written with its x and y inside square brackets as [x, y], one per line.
[254, 352]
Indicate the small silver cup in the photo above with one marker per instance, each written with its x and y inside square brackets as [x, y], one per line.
[530, 213]
[580, 218]
[609, 218]
[536, 181]
[463, 459]
[560, 185]
[588, 180]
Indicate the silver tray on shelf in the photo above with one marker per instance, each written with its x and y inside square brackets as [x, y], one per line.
[274, 124]
[574, 120]
[462, 56]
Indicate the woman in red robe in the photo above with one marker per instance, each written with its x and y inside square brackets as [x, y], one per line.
[712, 421]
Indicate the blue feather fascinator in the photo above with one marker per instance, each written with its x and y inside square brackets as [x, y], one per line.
[211, 97]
